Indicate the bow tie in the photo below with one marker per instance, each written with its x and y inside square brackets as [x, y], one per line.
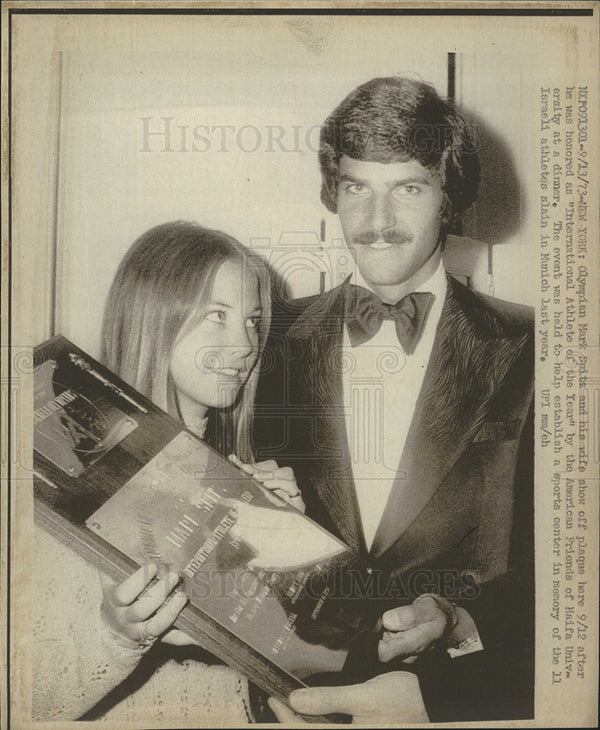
[365, 312]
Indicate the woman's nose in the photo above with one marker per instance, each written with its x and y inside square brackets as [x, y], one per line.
[243, 343]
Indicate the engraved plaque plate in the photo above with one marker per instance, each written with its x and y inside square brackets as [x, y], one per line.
[73, 429]
[254, 563]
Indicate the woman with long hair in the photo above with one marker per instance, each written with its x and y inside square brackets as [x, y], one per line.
[161, 296]
[185, 323]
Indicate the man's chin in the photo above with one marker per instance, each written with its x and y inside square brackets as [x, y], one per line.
[381, 266]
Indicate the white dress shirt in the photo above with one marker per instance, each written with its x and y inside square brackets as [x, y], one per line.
[381, 384]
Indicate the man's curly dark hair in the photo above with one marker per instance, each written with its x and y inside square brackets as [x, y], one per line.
[396, 119]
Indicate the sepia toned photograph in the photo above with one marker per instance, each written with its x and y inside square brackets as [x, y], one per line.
[300, 376]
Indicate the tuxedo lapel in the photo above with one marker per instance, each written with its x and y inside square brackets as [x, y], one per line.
[316, 341]
[472, 354]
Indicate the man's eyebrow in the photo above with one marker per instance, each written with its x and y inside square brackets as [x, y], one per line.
[411, 180]
[393, 184]
[350, 178]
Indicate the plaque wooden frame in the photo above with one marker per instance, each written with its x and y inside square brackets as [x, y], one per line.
[64, 517]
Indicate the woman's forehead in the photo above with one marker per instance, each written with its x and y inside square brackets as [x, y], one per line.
[236, 284]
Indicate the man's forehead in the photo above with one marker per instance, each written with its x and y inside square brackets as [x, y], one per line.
[384, 171]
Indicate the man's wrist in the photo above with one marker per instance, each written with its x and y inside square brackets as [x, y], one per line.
[464, 638]
[448, 608]
[460, 636]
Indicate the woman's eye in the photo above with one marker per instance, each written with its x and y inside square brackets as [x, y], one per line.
[253, 322]
[216, 315]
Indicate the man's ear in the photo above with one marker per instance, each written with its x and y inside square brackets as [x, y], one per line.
[329, 197]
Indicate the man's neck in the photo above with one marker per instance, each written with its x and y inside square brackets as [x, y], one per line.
[392, 293]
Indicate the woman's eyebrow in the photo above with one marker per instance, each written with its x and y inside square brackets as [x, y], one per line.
[219, 304]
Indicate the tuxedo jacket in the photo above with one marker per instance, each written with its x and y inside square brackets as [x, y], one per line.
[459, 518]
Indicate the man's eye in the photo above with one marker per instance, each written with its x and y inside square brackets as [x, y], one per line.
[407, 190]
[356, 189]
[253, 322]
[216, 315]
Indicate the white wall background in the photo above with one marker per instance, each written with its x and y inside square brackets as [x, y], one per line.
[265, 79]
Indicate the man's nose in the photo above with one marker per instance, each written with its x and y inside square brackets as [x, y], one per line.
[382, 214]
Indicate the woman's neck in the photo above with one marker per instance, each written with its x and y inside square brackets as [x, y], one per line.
[193, 414]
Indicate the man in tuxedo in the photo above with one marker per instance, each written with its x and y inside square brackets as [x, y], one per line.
[403, 401]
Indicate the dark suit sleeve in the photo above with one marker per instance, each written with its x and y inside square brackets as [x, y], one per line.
[493, 684]
[498, 682]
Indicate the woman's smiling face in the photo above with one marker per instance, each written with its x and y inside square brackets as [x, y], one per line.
[212, 361]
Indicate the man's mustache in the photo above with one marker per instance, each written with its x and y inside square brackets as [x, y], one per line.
[389, 236]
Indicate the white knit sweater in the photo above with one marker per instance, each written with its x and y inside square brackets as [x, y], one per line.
[77, 661]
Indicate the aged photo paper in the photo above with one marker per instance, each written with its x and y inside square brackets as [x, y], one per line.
[118, 117]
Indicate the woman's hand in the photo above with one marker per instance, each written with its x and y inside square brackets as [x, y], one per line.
[137, 611]
[278, 480]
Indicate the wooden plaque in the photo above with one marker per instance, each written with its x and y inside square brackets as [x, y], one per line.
[121, 483]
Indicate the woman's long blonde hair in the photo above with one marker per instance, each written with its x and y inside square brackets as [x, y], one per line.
[164, 278]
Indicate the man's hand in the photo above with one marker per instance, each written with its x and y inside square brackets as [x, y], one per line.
[416, 629]
[392, 698]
